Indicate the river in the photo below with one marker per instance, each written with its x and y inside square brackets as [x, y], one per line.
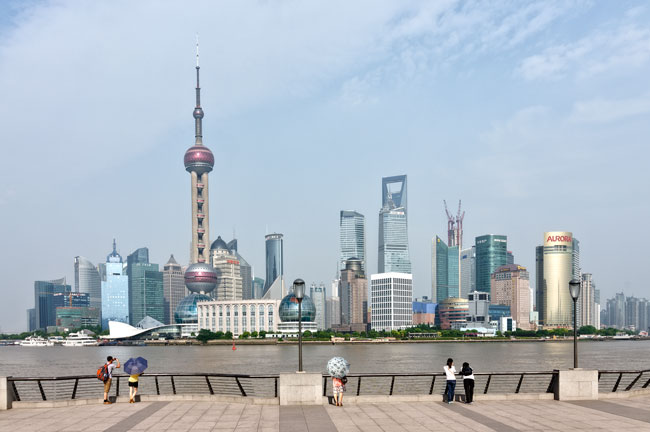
[364, 358]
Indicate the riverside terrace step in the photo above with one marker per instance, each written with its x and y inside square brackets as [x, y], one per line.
[630, 414]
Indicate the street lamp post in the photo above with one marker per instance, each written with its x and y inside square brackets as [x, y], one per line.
[299, 293]
[574, 289]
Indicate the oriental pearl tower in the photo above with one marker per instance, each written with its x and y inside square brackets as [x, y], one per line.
[200, 276]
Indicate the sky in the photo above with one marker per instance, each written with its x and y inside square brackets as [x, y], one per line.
[535, 113]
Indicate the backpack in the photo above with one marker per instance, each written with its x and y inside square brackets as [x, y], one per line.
[467, 371]
[344, 380]
[102, 373]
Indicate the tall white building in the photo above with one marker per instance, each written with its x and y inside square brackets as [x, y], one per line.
[87, 280]
[115, 290]
[317, 294]
[227, 266]
[589, 307]
[467, 271]
[391, 301]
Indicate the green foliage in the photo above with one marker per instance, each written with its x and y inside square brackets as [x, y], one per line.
[244, 335]
[262, 334]
[306, 334]
[228, 335]
[254, 334]
[587, 330]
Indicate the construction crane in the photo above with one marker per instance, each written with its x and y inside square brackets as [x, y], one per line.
[454, 226]
[450, 225]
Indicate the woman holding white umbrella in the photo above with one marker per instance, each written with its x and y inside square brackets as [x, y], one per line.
[338, 368]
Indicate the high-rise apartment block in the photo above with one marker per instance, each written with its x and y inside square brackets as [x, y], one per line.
[318, 295]
[393, 227]
[491, 253]
[87, 280]
[391, 299]
[115, 290]
[467, 271]
[228, 269]
[589, 305]
[511, 287]
[559, 262]
[478, 310]
[173, 288]
[353, 292]
[352, 237]
[445, 271]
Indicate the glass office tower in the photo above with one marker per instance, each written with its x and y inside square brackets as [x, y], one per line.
[274, 259]
[45, 303]
[87, 280]
[352, 237]
[445, 274]
[145, 288]
[491, 253]
[393, 227]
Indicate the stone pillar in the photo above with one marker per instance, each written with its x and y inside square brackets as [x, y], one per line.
[301, 389]
[576, 384]
[6, 394]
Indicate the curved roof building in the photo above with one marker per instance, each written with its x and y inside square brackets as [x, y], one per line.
[87, 280]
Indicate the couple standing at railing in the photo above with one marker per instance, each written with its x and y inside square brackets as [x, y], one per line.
[468, 381]
[133, 366]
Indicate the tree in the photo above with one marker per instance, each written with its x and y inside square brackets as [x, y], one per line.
[306, 333]
[254, 334]
[205, 335]
[245, 335]
[228, 335]
[262, 334]
[588, 329]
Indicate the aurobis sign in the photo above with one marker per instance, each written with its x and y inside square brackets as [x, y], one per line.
[558, 238]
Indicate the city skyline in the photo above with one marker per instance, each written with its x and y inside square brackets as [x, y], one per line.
[388, 89]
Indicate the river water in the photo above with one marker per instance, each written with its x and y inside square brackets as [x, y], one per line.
[364, 358]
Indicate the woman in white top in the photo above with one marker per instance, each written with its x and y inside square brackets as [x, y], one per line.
[468, 382]
[450, 371]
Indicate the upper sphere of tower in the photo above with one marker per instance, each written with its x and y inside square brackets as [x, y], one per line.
[198, 158]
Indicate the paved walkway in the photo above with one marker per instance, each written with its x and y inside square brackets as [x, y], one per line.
[612, 415]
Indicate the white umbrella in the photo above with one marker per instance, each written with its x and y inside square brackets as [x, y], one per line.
[338, 367]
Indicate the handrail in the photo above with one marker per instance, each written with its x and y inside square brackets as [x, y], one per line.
[182, 374]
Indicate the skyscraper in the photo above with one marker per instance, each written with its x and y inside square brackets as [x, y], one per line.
[491, 253]
[393, 227]
[560, 256]
[145, 288]
[245, 270]
[352, 237]
[258, 288]
[391, 300]
[274, 284]
[44, 301]
[353, 291]
[467, 271]
[589, 307]
[317, 294]
[86, 280]
[539, 284]
[199, 161]
[173, 288]
[511, 287]
[444, 270]
[115, 290]
[227, 267]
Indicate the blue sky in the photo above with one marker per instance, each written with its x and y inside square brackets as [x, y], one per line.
[535, 114]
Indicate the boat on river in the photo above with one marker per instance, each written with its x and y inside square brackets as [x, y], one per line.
[35, 341]
[79, 339]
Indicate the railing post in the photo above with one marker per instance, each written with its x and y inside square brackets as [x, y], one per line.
[276, 386]
[241, 389]
[324, 386]
[433, 381]
[40, 387]
[551, 385]
[207, 380]
[628, 388]
[117, 388]
[618, 381]
[358, 385]
[392, 384]
[157, 387]
[74, 390]
[17, 396]
[173, 384]
[487, 384]
[521, 379]
[647, 383]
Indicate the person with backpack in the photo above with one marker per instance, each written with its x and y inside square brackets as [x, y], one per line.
[450, 372]
[105, 373]
[468, 382]
[338, 387]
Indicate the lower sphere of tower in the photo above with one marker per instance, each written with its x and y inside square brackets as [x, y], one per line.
[200, 278]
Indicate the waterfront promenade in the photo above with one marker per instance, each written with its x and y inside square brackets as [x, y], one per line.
[628, 414]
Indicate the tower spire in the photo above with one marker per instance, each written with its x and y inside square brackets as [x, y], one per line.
[114, 247]
[198, 111]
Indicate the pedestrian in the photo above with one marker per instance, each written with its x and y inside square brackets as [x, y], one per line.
[133, 386]
[111, 364]
[468, 382]
[450, 371]
[338, 387]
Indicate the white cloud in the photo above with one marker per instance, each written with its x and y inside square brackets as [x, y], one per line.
[604, 111]
[603, 50]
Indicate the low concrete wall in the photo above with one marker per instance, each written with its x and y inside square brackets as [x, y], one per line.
[301, 389]
[576, 384]
[439, 398]
[624, 394]
[6, 394]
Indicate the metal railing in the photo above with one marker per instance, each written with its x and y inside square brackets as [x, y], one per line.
[88, 386]
[610, 381]
[435, 383]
